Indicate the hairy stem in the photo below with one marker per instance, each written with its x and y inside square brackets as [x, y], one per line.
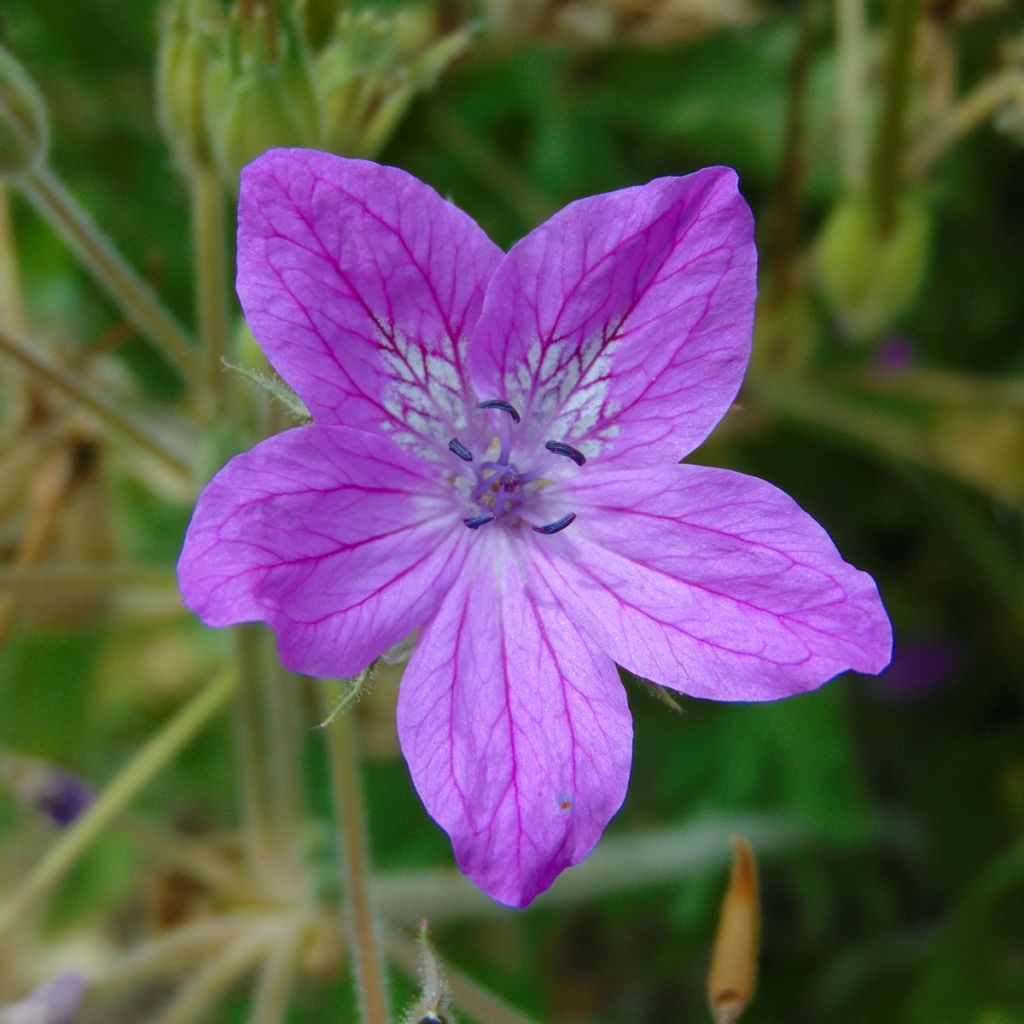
[351, 821]
[466, 993]
[50, 373]
[207, 197]
[97, 253]
[887, 164]
[152, 759]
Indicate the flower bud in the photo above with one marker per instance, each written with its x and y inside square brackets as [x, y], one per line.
[868, 276]
[259, 96]
[24, 124]
[187, 45]
[732, 976]
[370, 71]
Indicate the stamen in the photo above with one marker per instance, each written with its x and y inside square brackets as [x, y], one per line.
[475, 522]
[499, 403]
[555, 527]
[561, 448]
[456, 447]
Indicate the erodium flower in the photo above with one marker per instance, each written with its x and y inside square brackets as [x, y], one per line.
[494, 460]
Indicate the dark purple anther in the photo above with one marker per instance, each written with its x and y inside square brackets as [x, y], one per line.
[557, 526]
[561, 448]
[456, 447]
[475, 522]
[498, 403]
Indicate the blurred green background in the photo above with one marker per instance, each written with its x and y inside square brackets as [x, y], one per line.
[888, 813]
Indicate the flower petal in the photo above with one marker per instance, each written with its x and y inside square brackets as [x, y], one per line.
[516, 730]
[714, 583]
[361, 284]
[337, 539]
[624, 322]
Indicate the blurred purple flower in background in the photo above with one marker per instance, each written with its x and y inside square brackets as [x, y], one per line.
[921, 668]
[55, 1002]
[58, 794]
[494, 460]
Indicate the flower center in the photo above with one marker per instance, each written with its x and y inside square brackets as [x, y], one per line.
[500, 489]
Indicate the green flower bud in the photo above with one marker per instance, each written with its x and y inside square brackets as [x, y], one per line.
[260, 96]
[869, 277]
[370, 72]
[785, 332]
[187, 46]
[24, 124]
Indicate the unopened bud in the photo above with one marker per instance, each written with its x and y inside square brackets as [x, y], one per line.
[433, 1006]
[24, 124]
[371, 70]
[732, 977]
[870, 276]
[259, 97]
[187, 46]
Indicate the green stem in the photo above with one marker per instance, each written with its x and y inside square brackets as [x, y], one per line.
[169, 953]
[852, 54]
[251, 746]
[192, 858]
[211, 278]
[42, 579]
[281, 697]
[152, 759]
[219, 974]
[282, 691]
[97, 253]
[784, 216]
[977, 107]
[274, 987]
[12, 307]
[48, 372]
[887, 164]
[351, 820]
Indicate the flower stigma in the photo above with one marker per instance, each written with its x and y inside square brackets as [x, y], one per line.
[500, 490]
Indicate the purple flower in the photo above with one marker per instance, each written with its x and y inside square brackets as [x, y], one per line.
[494, 460]
[54, 1002]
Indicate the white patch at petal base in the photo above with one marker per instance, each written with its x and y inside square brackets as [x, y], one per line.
[425, 392]
[570, 389]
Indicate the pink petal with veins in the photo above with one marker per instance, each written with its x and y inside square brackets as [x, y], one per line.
[713, 583]
[515, 728]
[361, 284]
[624, 322]
[336, 538]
